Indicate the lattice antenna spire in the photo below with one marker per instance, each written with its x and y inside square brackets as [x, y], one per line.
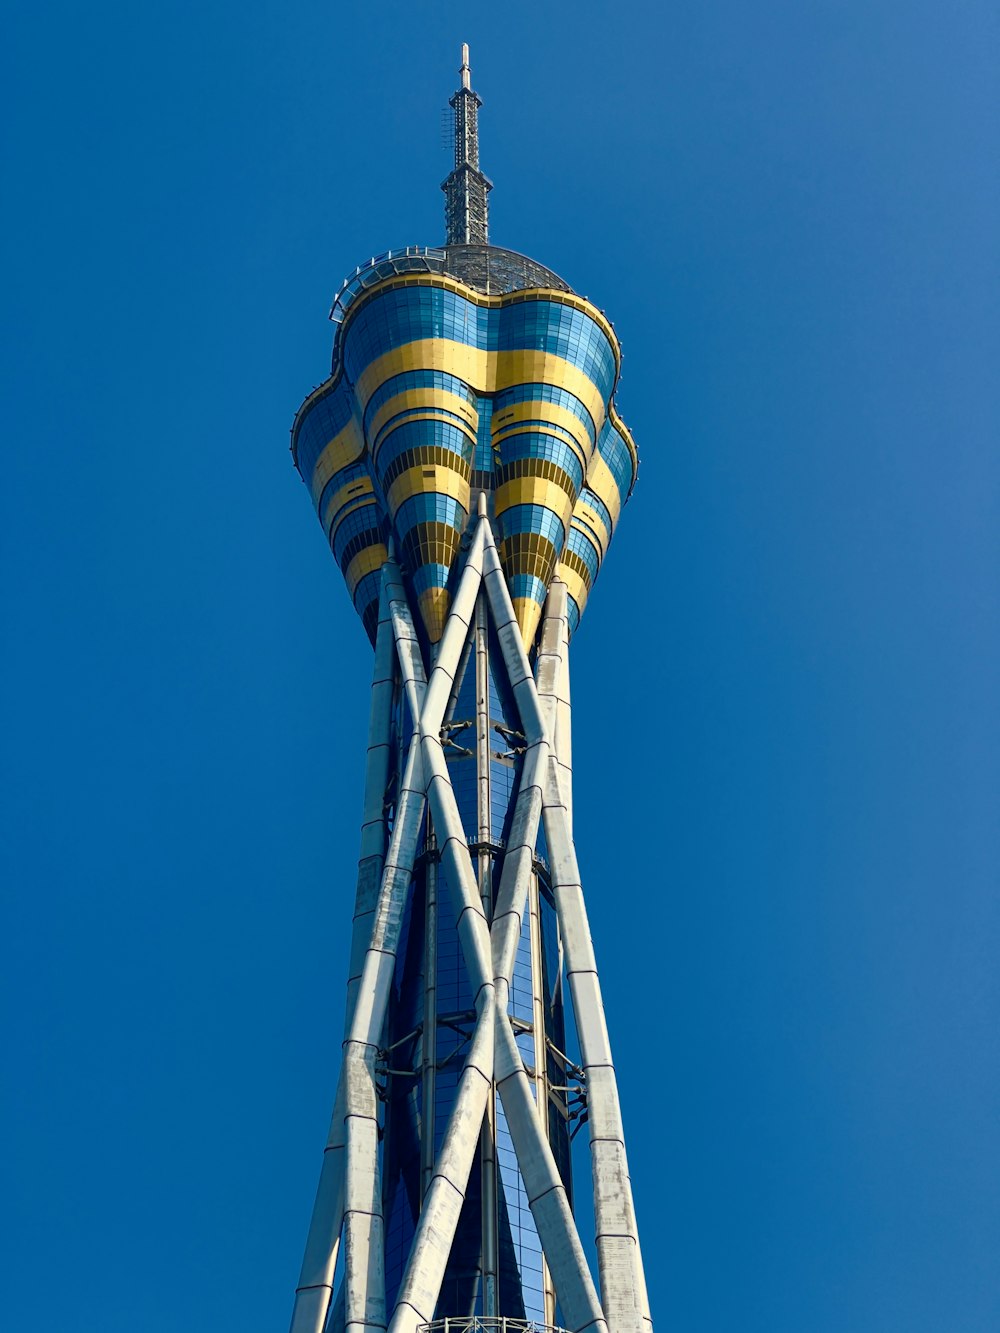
[466, 208]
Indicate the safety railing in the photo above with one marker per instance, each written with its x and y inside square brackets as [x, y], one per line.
[487, 1324]
[412, 259]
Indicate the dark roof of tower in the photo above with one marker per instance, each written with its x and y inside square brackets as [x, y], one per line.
[485, 268]
[495, 271]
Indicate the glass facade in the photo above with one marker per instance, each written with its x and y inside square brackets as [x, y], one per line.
[439, 392]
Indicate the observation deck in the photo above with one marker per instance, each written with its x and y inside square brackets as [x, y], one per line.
[485, 268]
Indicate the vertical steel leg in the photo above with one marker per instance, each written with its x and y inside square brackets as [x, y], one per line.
[429, 1035]
[487, 1147]
[373, 826]
[547, 1196]
[316, 1278]
[622, 1281]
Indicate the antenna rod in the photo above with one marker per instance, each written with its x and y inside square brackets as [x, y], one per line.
[466, 208]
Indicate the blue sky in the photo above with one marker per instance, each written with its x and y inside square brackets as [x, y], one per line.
[786, 683]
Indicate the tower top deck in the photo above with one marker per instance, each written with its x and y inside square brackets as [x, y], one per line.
[489, 269]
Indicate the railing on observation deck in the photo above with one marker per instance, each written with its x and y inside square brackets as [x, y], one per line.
[412, 259]
[486, 1324]
[487, 268]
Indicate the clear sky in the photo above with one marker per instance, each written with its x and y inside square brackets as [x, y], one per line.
[788, 732]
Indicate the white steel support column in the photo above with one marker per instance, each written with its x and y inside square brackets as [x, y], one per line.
[428, 1040]
[564, 710]
[623, 1291]
[623, 1287]
[541, 1080]
[350, 1189]
[487, 1149]
[364, 1275]
[316, 1278]
[550, 658]
[552, 682]
[484, 823]
[373, 824]
[315, 1287]
[546, 1192]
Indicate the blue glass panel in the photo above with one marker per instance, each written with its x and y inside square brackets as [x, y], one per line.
[421, 434]
[405, 315]
[367, 590]
[615, 453]
[353, 472]
[526, 585]
[597, 504]
[431, 507]
[580, 544]
[361, 522]
[545, 393]
[540, 444]
[553, 327]
[416, 379]
[326, 417]
[484, 447]
[429, 576]
[533, 518]
[389, 426]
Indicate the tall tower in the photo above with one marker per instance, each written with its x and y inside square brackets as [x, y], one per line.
[469, 469]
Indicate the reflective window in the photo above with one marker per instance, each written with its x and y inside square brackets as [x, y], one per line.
[326, 417]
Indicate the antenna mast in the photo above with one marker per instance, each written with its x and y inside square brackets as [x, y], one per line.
[466, 208]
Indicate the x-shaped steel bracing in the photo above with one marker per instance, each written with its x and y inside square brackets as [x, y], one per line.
[348, 1206]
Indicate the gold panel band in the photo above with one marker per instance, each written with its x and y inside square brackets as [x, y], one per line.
[430, 415]
[478, 298]
[334, 523]
[593, 525]
[428, 397]
[538, 410]
[528, 553]
[626, 435]
[575, 585]
[434, 603]
[515, 430]
[441, 481]
[602, 483]
[365, 562]
[354, 493]
[346, 447]
[534, 491]
[528, 613]
[486, 372]
[576, 562]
